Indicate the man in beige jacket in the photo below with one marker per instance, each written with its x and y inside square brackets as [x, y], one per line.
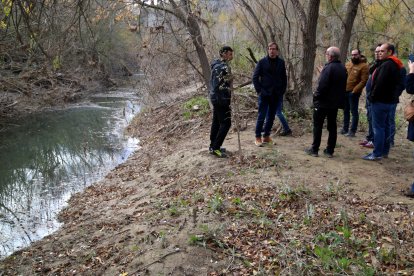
[358, 72]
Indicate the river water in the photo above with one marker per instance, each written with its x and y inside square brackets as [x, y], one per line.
[45, 158]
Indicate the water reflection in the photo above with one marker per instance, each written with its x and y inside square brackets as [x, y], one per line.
[46, 158]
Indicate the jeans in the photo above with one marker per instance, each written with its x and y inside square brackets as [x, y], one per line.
[267, 110]
[220, 125]
[351, 106]
[392, 123]
[381, 114]
[279, 114]
[368, 105]
[319, 115]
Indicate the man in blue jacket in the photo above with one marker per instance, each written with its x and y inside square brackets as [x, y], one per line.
[220, 96]
[270, 81]
[327, 99]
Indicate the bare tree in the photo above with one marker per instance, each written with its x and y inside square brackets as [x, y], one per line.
[190, 19]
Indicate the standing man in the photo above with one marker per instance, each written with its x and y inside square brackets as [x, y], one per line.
[327, 99]
[398, 92]
[410, 133]
[270, 81]
[385, 88]
[220, 96]
[369, 139]
[357, 70]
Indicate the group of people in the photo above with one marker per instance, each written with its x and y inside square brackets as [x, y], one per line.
[339, 87]
[270, 82]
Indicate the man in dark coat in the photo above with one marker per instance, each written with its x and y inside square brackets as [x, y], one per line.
[270, 81]
[220, 96]
[327, 99]
[386, 85]
[410, 134]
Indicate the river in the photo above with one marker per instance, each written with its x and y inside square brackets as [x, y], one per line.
[47, 157]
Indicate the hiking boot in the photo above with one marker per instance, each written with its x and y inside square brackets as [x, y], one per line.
[219, 153]
[311, 152]
[343, 131]
[371, 157]
[258, 142]
[327, 154]
[369, 145]
[350, 134]
[267, 140]
[286, 132]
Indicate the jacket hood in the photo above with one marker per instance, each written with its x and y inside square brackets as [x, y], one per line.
[215, 62]
[397, 61]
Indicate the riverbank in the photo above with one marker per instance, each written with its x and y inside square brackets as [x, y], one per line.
[172, 208]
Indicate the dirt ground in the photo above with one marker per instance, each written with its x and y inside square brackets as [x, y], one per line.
[174, 209]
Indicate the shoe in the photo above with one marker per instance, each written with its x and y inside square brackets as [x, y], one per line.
[364, 142]
[410, 191]
[311, 152]
[327, 154]
[286, 133]
[371, 157]
[350, 134]
[369, 145]
[219, 153]
[210, 149]
[267, 140]
[343, 131]
[385, 156]
[258, 142]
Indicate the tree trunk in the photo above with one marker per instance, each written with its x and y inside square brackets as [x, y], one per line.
[351, 13]
[308, 48]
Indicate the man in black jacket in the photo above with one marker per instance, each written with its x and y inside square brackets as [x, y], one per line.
[327, 99]
[270, 82]
[220, 96]
[386, 83]
[410, 133]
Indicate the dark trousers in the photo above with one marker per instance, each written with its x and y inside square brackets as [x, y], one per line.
[370, 136]
[220, 126]
[267, 111]
[351, 107]
[319, 115]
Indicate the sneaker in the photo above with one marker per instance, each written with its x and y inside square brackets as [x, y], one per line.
[210, 149]
[364, 142]
[267, 140]
[343, 131]
[286, 133]
[219, 153]
[369, 145]
[371, 157]
[327, 154]
[350, 134]
[258, 142]
[311, 152]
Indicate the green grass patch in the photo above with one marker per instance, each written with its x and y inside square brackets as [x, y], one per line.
[196, 107]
